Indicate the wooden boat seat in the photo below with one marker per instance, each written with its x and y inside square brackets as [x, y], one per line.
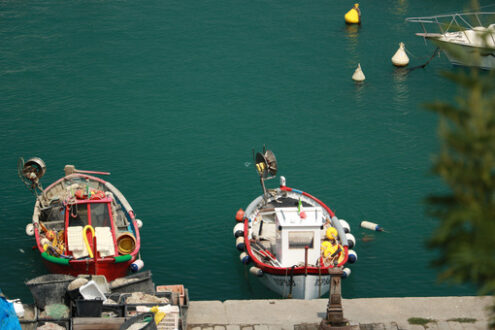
[75, 242]
[104, 241]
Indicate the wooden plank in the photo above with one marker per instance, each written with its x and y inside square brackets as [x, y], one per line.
[90, 323]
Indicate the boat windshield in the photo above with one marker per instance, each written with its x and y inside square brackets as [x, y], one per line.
[99, 215]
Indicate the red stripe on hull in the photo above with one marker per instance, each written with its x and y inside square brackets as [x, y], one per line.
[108, 268]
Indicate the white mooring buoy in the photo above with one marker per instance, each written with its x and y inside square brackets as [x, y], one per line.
[400, 57]
[358, 74]
[371, 226]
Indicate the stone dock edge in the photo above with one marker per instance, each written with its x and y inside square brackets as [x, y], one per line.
[364, 313]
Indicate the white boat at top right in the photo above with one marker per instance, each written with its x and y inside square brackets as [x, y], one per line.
[467, 39]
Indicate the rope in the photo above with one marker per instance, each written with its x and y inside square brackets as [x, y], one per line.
[285, 281]
[319, 278]
[422, 66]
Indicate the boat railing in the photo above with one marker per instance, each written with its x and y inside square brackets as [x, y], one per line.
[455, 22]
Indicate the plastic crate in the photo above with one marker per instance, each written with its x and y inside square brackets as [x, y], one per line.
[139, 282]
[100, 280]
[175, 288]
[108, 310]
[138, 319]
[91, 291]
[88, 308]
[171, 321]
[168, 295]
[62, 323]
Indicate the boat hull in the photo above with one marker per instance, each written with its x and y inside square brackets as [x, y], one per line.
[483, 58]
[303, 286]
[108, 268]
[298, 281]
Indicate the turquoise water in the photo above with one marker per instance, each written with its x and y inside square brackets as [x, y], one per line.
[172, 96]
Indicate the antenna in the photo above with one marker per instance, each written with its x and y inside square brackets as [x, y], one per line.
[266, 166]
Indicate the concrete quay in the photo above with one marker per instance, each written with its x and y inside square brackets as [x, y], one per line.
[369, 313]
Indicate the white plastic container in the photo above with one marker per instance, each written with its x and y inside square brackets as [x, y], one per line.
[91, 291]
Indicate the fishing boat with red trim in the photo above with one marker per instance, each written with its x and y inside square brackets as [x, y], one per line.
[82, 223]
[292, 238]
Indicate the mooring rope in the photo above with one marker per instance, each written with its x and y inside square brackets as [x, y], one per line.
[422, 66]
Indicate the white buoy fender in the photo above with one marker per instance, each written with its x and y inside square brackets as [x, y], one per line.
[358, 74]
[30, 229]
[371, 226]
[345, 226]
[350, 240]
[239, 243]
[244, 257]
[239, 229]
[139, 223]
[137, 265]
[256, 271]
[352, 256]
[400, 57]
[347, 273]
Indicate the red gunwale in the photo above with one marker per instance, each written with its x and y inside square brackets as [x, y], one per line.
[289, 270]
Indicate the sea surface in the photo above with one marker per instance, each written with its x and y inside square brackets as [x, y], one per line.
[172, 97]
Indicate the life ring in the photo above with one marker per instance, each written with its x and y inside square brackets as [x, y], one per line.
[97, 194]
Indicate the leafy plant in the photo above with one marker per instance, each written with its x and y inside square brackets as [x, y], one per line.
[466, 163]
[463, 320]
[419, 321]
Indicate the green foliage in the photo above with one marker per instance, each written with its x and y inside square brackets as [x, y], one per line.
[465, 237]
[463, 320]
[419, 321]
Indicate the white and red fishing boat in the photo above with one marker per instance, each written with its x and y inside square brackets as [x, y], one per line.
[293, 239]
[82, 224]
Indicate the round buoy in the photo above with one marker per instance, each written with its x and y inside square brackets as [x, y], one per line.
[244, 257]
[345, 226]
[400, 57]
[371, 226]
[358, 74]
[256, 271]
[353, 16]
[239, 216]
[351, 241]
[347, 273]
[136, 266]
[239, 243]
[30, 229]
[239, 230]
[352, 256]
[139, 223]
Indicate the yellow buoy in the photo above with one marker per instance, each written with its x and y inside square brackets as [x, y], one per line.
[353, 16]
[358, 74]
[400, 57]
